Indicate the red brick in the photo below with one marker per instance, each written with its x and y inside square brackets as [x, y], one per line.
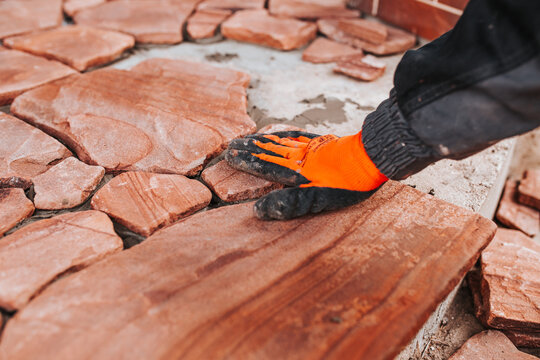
[311, 9]
[490, 344]
[323, 50]
[20, 17]
[204, 23]
[366, 68]
[14, 207]
[515, 215]
[529, 189]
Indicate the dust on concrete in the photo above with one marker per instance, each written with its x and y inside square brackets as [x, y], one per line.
[220, 57]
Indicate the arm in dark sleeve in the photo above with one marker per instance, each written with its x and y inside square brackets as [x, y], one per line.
[468, 89]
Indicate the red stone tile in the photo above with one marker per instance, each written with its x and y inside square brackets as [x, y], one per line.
[20, 17]
[323, 50]
[311, 9]
[524, 339]
[492, 345]
[231, 4]
[515, 215]
[25, 152]
[20, 72]
[204, 23]
[367, 30]
[272, 128]
[14, 207]
[72, 6]
[354, 283]
[80, 47]
[458, 4]
[363, 5]
[366, 68]
[529, 189]
[177, 115]
[144, 202]
[257, 26]
[36, 254]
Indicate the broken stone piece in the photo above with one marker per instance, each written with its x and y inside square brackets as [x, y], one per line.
[33, 256]
[529, 189]
[14, 207]
[66, 184]
[524, 339]
[20, 17]
[80, 47]
[20, 72]
[144, 202]
[272, 128]
[370, 31]
[323, 50]
[25, 152]
[366, 68]
[204, 23]
[72, 6]
[490, 345]
[258, 27]
[515, 215]
[224, 282]
[231, 4]
[311, 9]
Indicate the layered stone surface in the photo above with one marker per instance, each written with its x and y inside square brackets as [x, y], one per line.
[370, 31]
[20, 72]
[515, 215]
[72, 6]
[492, 345]
[311, 9]
[19, 17]
[242, 288]
[25, 152]
[529, 189]
[80, 47]
[35, 255]
[323, 50]
[173, 115]
[366, 68]
[204, 23]
[14, 207]
[144, 202]
[258, 27]
[231, 4]
[66, 185]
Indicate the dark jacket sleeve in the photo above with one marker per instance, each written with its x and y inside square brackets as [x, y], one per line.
[468, 89]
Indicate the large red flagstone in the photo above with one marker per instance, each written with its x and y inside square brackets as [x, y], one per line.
[20, 17]
[204, 23]
[311, 9]
[355, 283]
[490, 345]
[370, 31]
[72, 6]
[232, 4]
[323, 50]
[14, 207]
[529, 189]
[515, 215]
[366, 68]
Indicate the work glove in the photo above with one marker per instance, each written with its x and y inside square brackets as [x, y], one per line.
[325, 172]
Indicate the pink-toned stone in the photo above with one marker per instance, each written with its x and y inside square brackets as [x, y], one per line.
[204, 23]
[258, 27]
[80, 47]
[311, 9]
[490, 345]
[25, 152]
[323, 50]
[366, 68]
[14, 207]
[20, 17]
[72, 6]
[231, 4]
[368, 30]
[144, 202]
[36, 254]
[20, 72]
[66, 185]
[515, 215]
[524, 339]
[529, 189]
[272, 128]
[177, 115]
[398, 40]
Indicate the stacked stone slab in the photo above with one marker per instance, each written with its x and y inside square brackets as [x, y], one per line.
[490, 345]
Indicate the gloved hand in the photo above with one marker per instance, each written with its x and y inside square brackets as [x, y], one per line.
[327, 172]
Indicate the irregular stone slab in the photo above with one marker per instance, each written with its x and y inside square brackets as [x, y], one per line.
[490, 345]
[398, 40]
[20, 72]
[144, 202]
[366, 68]
[515, 215]
[25, 152]
[72, 6]
[35, 255]
[354, 283]
[323, 50]
[311, 9]
[272, 128]
[204, 23]
[66, 184]
[529, 189]
[20, 17]
[80, 47]
[14, 207]
[231, 4]
[176, 115]
[258, 27]
[370, 31]
[524, 339]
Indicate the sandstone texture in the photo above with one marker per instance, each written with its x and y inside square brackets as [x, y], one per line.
[204, 23]
[14, 207]
[177, 115]
[323, 50]
[366, 68]
[272, 128]
[20, 72]
[231, 4]
[515, 215]
[529, 189]
[72, 6]
[490, 345]
[20, 17]
[80, 47]
[144, 202]
[370, 31]
[311, 9]
[524, 339]
[258, 27]
[25, 152]
[354, 283]
[66, 184]
[35, 255]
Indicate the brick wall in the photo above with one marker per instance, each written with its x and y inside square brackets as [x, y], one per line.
[427, 18]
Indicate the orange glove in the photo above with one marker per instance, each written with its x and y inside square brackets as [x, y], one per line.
[328, 172]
